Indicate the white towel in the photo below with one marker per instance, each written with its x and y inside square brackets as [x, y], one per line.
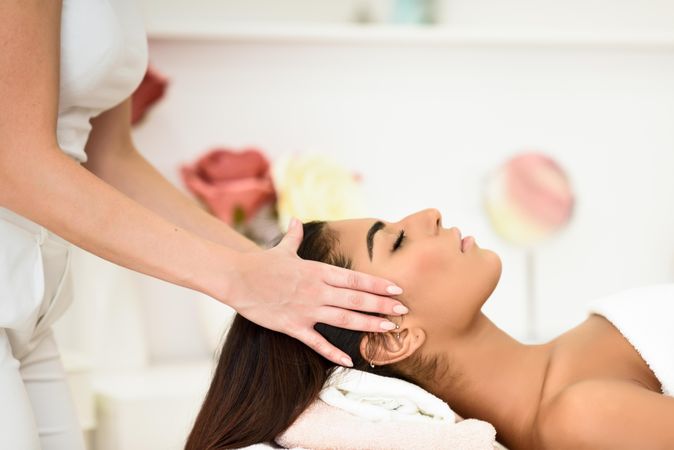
[381, 399]
[644, 316]
[324, 427]
[358, 410]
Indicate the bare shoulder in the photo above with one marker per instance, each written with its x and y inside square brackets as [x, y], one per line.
[606, 413]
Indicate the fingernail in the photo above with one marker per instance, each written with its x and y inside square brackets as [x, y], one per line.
[293, 222]
[400, 309]
[346, 361]
[394, 290]
[387, 325]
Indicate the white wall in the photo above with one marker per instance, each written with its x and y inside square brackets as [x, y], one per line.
[588, 15]
[236, 11]
[576, 15]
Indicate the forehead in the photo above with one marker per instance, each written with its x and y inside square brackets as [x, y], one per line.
[352, 235]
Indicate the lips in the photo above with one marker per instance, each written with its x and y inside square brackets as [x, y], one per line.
[467, 242]
[464, 242]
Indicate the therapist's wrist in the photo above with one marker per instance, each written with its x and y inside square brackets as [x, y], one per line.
[217, 274]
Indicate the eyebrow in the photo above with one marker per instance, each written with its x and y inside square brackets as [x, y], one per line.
[378, 225]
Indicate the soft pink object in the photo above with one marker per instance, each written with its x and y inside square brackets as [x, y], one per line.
[150, 90]
[322, 426]
[540, 187]
[226, 180]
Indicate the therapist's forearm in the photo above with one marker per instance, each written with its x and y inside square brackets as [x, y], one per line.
[51, 189]
[133, 175]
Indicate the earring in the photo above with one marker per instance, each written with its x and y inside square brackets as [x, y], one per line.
[372, 364]
[397, 334]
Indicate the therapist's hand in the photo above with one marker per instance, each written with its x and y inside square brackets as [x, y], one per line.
[278, 290]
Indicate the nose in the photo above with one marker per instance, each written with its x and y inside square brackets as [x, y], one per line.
[435, 219]
[430, 220]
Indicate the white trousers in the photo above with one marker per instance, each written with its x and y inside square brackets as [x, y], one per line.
[36, 408]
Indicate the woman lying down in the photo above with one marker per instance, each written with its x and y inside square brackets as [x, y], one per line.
[589, 388]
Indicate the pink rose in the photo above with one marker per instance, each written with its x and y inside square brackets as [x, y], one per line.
[148, 92]
[231, 183]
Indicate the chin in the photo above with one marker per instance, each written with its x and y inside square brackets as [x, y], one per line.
[495, 266]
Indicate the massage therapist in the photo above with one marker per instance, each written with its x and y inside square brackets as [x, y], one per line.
[69, 173]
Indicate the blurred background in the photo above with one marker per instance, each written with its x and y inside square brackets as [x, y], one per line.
[426, 103]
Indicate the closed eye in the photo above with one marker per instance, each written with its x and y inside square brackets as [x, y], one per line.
[399, 241]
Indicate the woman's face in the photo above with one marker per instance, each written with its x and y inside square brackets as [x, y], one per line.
[445, 280]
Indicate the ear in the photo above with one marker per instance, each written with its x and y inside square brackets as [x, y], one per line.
[388, 348]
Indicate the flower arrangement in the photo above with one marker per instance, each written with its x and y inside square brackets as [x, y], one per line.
[258, 197]
[253, 195]
[314, 187]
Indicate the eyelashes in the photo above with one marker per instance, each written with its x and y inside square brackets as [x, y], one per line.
[399, 241]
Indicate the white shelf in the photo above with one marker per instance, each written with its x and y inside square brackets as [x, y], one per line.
[400, 35]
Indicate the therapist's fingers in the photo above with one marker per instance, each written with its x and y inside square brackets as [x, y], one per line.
[358, 287]
[293, 237]
[358, 281]
[362, 301]
[324, 348]
[343, 318]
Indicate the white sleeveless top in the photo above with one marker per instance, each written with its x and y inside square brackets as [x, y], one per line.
[103, 60]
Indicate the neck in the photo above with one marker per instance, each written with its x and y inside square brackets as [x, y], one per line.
[496, 378]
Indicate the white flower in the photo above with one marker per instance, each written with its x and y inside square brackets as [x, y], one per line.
[313, 187]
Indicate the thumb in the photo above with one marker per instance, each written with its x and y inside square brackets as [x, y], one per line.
[293, 238]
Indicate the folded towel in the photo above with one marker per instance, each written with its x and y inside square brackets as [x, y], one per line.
[323, 427]
[357, 410]
[644, 317]
[378, 398]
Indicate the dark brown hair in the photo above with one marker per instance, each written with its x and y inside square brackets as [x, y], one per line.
[265, 379]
